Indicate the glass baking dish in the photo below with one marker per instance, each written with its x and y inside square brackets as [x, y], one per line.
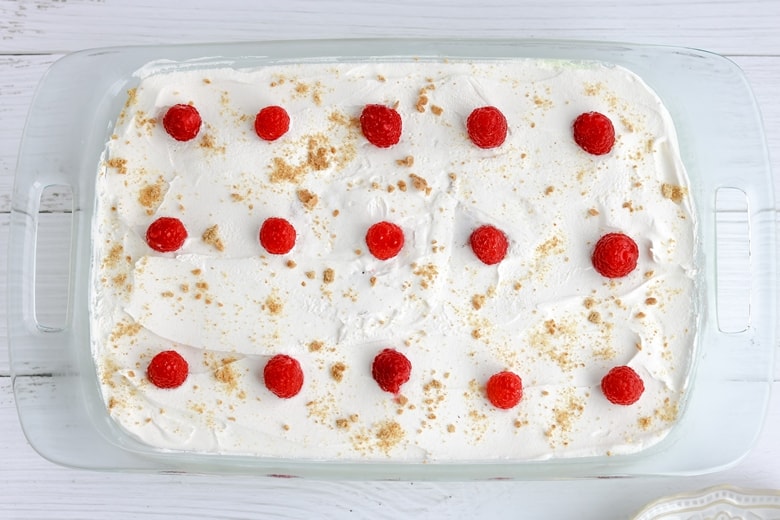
[723, 149]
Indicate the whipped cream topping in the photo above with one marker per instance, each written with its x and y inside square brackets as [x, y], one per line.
[544, 313]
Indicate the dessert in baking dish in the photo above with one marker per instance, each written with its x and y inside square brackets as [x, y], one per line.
[400, 260]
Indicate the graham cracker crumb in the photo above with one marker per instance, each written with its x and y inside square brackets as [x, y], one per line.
[407, 161]
[673, 192]
[593, 212]
[315, 346]
[284, 172]
[119, 164]
[132, 97]
[372, 281]
[318, 158]
[307, 198]
[291, 264]
[401, 185]
[451, 428]
[422, 100]
[651, 301]
[437, 110]
[477, 301]
[550, 327]
[551, 246]
[427, 272]
[151, 195]
[328, 275]
[668, 412]
[389, 434]
[310, 275]
[594, 317]
[420, 183]
[342, 424]
[212, 238]
[124, 329]
[114, 256]
[225, 373]
[207, 142]
[273, 305]
[337, 371]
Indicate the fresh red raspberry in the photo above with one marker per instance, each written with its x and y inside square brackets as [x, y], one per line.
[381, 125]
[391, 369]
[182, 122]
[167, 369]
[622, 385]
[277, 236]
[283, 376]
[504, 389]
[489, 244]
[487, 127]
[166, 234]
[272, 123]
[594, 133]
[384, 240]
[615, 255]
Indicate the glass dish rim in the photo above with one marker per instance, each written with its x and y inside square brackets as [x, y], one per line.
[292, 46]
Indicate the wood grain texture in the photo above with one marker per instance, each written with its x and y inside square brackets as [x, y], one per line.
[34, 33]
[724, 26]
[18, 77]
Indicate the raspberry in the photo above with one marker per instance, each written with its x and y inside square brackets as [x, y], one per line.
[272, 123]
[391, 369]
[166, 234]
[594, 133]
[615, 255]
[283, 376]
[504, 389]
[277, 236]
[167, 369]
[384, 240]
[381, 125]
[487, 127]
[182, 122]
[489, 244]
[622, 385]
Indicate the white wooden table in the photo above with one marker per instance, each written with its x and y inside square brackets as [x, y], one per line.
[34, 33]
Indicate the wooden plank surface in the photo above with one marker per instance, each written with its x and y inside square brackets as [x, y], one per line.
[34, 33]
[724, 26]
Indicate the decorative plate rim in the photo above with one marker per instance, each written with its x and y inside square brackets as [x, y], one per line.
[733, 499]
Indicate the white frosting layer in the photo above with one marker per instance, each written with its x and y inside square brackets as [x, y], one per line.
[543, 312]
